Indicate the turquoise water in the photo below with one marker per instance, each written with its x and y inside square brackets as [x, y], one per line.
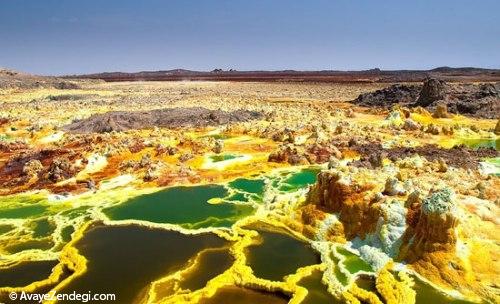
[255, 186]
[247, 189]
[223, 157]
[186, 206]
[301, 179]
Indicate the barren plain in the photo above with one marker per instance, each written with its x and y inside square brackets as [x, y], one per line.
[256, 192]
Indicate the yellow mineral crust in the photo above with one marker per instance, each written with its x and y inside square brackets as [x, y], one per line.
[395, 290]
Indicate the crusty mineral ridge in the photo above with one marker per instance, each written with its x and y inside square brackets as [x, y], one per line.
[432, 227]
[351, 201]
[429, 237]
[431, 242]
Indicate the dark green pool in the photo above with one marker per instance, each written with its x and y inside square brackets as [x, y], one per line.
[186, 206]
[317, 292]
[25, 273]
[239, 295]
[279, 255]
[126, 259]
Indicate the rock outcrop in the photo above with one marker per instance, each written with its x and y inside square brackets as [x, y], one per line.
[385, 98]
[169, 118]
[482, 100]
[351, 201]
[432, 227]
[432, 90]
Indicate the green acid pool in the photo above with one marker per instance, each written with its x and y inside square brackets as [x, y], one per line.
[279, 255]
[186, 206]
[25, 273]
[300, 179]
[476, 143]
[317, 292]
[124, 260]
[239, 295]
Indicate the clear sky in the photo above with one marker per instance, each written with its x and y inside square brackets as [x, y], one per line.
[55, 37]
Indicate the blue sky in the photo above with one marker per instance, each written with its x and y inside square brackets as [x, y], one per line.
[65, 37]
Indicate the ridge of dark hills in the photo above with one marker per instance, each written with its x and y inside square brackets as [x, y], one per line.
[462, 74]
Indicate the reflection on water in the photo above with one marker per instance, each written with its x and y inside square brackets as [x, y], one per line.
[239, 295]
[279, 255]
[25, 273]
[186, 206]
[211, 263]
[317, 292]
[125, 259]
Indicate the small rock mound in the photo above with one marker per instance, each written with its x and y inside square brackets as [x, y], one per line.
[432, 90]
[385, 98]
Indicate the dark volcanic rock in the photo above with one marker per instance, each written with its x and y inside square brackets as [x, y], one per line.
[398, 93]
[170, 118]
[481, 100]
[458, 156]
[432, 90]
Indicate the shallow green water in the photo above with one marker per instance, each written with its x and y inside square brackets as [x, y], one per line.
[43, 228]
[23, 212]
[218, 136]
[239, 295]
[255, 186]
[352, 262]
[482, 143]
[317, 292]
[66, 233]
[125, 259]
[118, 251]
[186, 206]
[339, 275]
[301, 179]
[279, 255]
[222, 157]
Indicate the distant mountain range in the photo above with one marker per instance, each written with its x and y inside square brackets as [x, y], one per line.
[373, 75]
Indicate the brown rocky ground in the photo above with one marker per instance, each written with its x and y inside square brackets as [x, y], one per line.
[477, 100]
